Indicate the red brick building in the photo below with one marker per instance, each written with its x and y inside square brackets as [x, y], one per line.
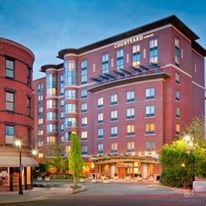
[125, 96]
[16, 114]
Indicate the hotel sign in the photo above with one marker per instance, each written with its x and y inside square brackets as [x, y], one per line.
[132, 40]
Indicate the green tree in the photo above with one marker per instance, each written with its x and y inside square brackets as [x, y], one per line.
[56, 160]
[75, 160]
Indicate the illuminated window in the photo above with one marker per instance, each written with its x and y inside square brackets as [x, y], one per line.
[153, 45]
[51, 139]
[51, 84]
[150, 128]
[136, 55]
[40, 155]
[177, 129]
[67, 149]
[130, 129]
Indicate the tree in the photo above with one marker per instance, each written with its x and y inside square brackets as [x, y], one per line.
[75, 160]
[56, 160]
[196, 129]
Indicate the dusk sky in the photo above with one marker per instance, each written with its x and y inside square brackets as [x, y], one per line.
[48, 26]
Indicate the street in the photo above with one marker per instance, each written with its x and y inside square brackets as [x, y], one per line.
[129, 194]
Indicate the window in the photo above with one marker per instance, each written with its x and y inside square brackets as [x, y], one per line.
[51, 84]
[40, 86]
[29, 71]
[40, 142]
[113, 99]
[120, 59]
[177, 52]
[61, 84]
[84, 150]
[150, 93]
[29, 106]
[51, 128]
[9, 69]
[100, 133]
[113, 131]
[178, 95]
[150, 128]
[130, 113]
[61, 103]
[70, 94]
[61, 115]
[113, 115]
[67, 149]
[9, 101]
[100, 118]
[100, 148]
[177, 112]
[9, 134]
[70, 72]
[51, 104]
[114, 148]
[84, 135]
[84, 121]
[70, 108]
[62, 127]
[150, 145]
[130, 129]
[150, 111]
[70, 122]
[100, 102]
[84, 107]
[40, 155]
[153, 45]
[130, 146]
[105, 63]
[51, 139]
[130, 96]
[136, 55]
[177, 129]
[51, 116]
[84, 93]
[84, 72]
[177, 78]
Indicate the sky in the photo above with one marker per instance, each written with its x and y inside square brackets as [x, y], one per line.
[47, 26]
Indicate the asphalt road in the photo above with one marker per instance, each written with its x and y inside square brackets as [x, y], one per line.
[121, 195]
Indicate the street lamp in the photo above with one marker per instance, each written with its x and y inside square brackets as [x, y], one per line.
[18, 144]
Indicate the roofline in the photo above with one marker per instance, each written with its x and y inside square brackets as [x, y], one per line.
[176, 22]
[51, 66]
[198, 48]
[21, 45]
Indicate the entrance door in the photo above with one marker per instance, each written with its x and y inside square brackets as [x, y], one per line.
[121, 172]
[144, 171]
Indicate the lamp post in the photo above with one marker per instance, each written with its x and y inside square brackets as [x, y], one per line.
[18, 144]
[34, 153]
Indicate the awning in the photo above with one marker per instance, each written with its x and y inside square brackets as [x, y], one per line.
[13, 161]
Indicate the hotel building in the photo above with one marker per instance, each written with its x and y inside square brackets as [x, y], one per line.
[16, 115]
[125, 96]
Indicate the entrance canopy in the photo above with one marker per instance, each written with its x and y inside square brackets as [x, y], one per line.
[13, 161]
